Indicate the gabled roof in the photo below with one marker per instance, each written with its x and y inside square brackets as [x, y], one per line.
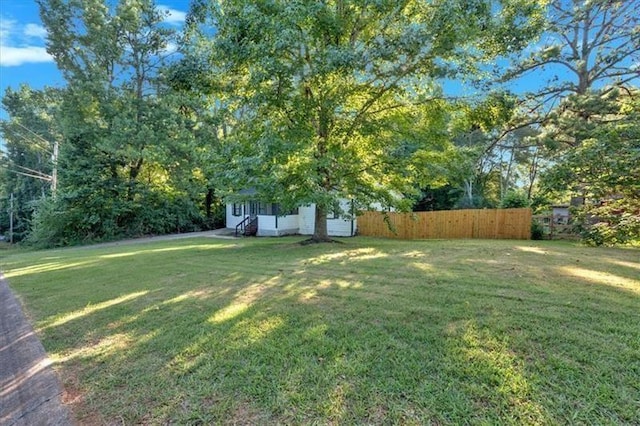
[248, 191]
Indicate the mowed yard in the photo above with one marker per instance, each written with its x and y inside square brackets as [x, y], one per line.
[369, 331]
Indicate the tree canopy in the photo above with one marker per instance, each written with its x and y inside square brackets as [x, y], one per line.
[30, 135]
[342, 99]
[308, 102]
[586, 45]
[126, 154]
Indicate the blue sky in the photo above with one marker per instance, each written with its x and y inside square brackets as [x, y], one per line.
[23, 57]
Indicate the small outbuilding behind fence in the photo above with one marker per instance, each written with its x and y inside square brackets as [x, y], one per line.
[449, 224]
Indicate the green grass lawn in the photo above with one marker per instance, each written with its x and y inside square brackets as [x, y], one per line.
[374, 331]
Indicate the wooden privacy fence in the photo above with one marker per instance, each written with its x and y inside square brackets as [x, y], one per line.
[450, 224]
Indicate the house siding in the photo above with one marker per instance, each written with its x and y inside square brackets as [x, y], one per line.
[289, 224]
[267, 226]
[231, 220]
[335, 227]
[303, 223]
[286, 225]
[307, 215]
[340, 227]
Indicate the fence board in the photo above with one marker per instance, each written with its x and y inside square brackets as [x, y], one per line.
[450, 224]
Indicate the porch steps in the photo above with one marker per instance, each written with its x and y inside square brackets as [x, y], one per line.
[248, 227]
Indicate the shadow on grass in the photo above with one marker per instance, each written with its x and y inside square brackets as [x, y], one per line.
[370, 331]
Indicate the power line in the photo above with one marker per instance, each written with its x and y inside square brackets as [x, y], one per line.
[54, 158]
[32, 132]
[38, 172]
[45, 178]
[48, 143]
[27, 139]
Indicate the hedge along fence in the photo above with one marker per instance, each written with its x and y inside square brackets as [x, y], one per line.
[450, 224]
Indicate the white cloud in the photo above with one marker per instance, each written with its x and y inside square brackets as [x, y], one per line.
[15, 47]
[35, 30]
[171, 47]
[6, 27]
[173, 16]
[15, 56]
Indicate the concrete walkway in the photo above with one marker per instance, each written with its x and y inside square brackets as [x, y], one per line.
[30, 392]
[223, 233]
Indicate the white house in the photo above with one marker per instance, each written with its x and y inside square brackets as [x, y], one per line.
[254, 217]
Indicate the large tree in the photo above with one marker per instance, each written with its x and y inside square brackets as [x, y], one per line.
[340, 98]
[127, 155]
[590, 49]
[604, 168]
[590, 53]
[587, 45]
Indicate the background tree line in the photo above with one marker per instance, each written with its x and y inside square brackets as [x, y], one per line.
[312, 101]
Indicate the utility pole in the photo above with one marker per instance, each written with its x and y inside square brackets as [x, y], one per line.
[11, 220]
[54, 173]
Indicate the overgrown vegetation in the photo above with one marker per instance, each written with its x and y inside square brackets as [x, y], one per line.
[206, 331]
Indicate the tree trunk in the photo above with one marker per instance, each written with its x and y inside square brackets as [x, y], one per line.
[533, 172]
[468, 190]
[320, 232]
[208, 201]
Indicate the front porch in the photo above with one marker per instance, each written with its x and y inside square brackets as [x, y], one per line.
[262, 219]
[249, 216]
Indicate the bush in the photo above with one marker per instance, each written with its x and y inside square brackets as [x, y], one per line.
[623, 230]
[537, 230]
[514, 200]
[52, 225]
[613, 223]
[77, 218]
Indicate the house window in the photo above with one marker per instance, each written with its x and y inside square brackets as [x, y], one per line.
[237, 209]
[253, 208]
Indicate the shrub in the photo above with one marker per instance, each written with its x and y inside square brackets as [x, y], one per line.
[613, 223]
[623, 230]
[537, 230]
[52, 225]
[72, 219]
[514, 200]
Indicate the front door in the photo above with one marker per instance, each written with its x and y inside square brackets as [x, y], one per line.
[253, 209]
